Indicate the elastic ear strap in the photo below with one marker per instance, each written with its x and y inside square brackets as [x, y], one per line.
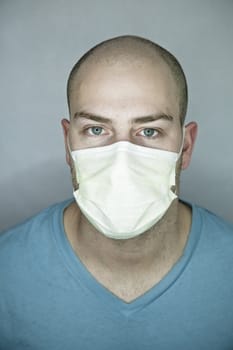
[68, 145]
[182, 144]
[73, 168]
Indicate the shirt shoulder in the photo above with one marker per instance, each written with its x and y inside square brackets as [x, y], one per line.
[20, 238]
[212, 221]
[216, 235]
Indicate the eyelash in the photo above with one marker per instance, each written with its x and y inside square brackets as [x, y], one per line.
[92, 127]
[157, 131]
[153, 136]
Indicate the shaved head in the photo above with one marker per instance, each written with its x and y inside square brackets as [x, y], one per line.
[136, 51]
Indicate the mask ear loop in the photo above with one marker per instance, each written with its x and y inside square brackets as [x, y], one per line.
[73, 169]
[174, 188]
[68, 146]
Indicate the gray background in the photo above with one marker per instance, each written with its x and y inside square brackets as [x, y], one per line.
[39, 43]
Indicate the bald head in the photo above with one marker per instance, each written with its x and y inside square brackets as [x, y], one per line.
[131, 50]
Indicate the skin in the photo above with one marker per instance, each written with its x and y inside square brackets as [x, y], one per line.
[122, 92]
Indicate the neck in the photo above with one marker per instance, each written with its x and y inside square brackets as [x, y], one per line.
[158, 248]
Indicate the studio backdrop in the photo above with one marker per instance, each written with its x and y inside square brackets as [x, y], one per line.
[39, 43]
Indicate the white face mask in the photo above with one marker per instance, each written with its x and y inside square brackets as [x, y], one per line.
[124, 189]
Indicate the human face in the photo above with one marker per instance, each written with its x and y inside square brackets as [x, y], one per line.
[136, 103]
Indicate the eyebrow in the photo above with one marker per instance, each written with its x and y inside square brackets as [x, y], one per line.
[91, 116]
[137, 120]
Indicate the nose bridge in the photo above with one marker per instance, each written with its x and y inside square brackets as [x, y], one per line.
[127, 138]
[123, 132]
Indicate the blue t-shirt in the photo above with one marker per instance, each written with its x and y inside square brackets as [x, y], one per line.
[49, 300]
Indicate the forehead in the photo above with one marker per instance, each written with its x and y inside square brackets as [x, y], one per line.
[132, 86]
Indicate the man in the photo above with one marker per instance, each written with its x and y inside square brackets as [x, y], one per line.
[127, 265]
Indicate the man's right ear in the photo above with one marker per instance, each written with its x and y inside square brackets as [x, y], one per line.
[65, 126]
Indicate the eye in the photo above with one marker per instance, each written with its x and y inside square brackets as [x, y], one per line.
[148, 132]
[95, 130]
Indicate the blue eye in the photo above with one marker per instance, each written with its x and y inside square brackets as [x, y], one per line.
[96, 130]
[149, 132]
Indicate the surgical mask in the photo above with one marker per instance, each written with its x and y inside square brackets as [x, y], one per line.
[124, 189]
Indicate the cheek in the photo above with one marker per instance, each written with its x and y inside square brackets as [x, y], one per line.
[73, 137]
[78, 139]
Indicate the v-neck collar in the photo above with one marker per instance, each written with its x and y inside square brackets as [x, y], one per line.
[105, 296]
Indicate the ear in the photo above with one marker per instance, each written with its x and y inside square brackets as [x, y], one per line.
[65, 126]
[189, 141]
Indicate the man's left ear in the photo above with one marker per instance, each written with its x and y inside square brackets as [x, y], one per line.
[189, 141]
